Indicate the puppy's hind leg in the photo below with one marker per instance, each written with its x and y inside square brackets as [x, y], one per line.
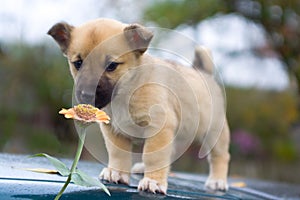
[119, 157]
[218, 162]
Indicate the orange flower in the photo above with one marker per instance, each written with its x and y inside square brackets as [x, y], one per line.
[85, 113]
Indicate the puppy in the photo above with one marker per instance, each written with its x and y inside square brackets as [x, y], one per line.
[148, 99]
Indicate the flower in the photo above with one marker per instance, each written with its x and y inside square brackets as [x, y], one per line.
[85, 113]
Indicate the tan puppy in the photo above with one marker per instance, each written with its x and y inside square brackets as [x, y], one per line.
[148, 99]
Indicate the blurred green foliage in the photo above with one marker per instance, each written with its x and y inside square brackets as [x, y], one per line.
[35, 84]
[279, 18]
[269, 116]
[170, 14]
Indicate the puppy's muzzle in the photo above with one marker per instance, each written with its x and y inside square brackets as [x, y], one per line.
[99, 97]
[85, 97]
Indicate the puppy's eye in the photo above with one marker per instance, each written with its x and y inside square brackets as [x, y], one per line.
[112, 66]
[77, 64]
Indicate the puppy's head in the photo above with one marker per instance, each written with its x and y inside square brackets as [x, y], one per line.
[99, 53]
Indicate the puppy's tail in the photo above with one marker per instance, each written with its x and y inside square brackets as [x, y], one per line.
[203, 60]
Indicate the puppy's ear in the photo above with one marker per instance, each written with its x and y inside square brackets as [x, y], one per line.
[138, 37]
[61, 33]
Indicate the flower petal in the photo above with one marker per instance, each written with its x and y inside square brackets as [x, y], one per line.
[63, 111]
[104, 121]
[69, 116]
[102, 114]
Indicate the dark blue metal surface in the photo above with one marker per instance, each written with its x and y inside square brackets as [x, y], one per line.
[19, 184]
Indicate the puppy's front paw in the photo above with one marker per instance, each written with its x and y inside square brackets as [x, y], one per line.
[216, 184]
[147, 184]
[115, 176]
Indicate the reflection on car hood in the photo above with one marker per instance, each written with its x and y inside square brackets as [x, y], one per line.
[18, 183]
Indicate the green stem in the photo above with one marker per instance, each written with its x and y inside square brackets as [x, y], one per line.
[75, 162]
[79, 150]
[64, 187]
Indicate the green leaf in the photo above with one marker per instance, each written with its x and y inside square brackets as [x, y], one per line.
[82, 179]
[59, 166]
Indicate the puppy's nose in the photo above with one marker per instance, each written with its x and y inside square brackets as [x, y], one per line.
[87, 98]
